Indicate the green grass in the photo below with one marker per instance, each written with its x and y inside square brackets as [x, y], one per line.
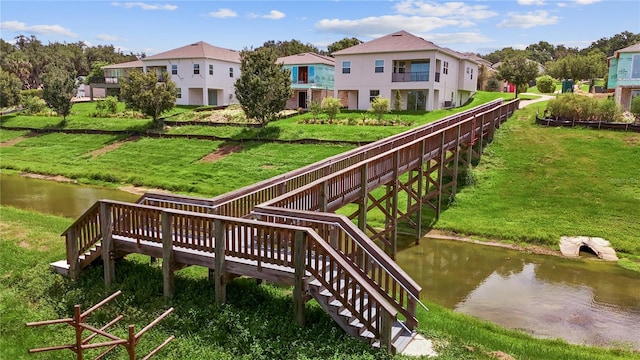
[6, 135]
[256, 323]
[166, 163]
[536, 184]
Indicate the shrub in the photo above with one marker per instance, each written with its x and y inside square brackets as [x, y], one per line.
[577, 107]
[546, 84]
[635, 107]
[315, 108]
[108, 106]
[379, 106]
[493, 84]
[31, 92]
[33, 104]
[331, 106]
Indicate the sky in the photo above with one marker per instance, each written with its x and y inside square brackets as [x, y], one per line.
[479, 26]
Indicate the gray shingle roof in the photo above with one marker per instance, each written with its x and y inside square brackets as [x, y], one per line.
[125, 65]
[199, 50]
[632, 48]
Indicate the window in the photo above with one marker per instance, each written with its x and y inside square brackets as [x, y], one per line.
[400, 67]
[373, 94]
[179, 93]
[379, 66]
[472, 74]
[635, 67]
[230, 72]
[346, 67]
[210, 69]
[174, 69]
[196, 69]
[445, 67]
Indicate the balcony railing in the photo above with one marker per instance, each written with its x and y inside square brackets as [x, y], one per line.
[410, 76]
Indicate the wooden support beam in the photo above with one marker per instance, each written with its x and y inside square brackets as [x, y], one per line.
[420, 190]
[168, 256]
[385, 331]
[220, 280]
[364, 198]
[395, 205]
[73, 256]
[106, 223]
[299, 253]
[455, 163]
[443, 156]
[322, 197]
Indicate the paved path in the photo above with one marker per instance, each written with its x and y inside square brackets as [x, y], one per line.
[542, 97]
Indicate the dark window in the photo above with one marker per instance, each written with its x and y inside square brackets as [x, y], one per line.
[379, 66]
[174, 69]
[346, 67]
[196, 69]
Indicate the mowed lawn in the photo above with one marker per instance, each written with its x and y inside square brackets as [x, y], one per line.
[538, 183]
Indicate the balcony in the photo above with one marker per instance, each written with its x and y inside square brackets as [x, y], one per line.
[410, 76]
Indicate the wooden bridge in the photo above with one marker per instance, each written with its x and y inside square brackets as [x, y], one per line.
[285, 229]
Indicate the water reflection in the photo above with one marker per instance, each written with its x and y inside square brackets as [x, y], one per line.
[584, 302]
[52, 197]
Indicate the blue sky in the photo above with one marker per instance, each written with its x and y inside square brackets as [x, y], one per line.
[478, 26]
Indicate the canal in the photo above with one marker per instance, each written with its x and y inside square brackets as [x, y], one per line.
[582, 301]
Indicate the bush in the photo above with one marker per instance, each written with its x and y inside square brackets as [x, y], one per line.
[108, 106]
[493, 84]
[583, 108]
[546, 84]
[379, 106]
[31, 92]
[331, 106]
[33, 104]
[315, 108]
[635, 107]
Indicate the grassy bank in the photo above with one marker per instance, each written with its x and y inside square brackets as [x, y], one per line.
[535, 184]
[256, 323]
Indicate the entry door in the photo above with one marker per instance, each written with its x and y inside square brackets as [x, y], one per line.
[302, 99]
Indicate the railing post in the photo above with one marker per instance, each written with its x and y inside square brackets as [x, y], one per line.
[299, 252]
[455, 163]
[423, 146]
[443, 155]
[107, 243]
[394, 208]
[73, 256]
[168, 280]
[412, 307]
[362, 204]
[322, 205]
[220, 270]
[385, 331]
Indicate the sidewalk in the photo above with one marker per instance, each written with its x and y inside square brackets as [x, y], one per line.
[542, 97]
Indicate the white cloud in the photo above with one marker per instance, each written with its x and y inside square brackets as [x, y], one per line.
[457, 38]
[529, 20]
[106, 37]
[223, 13]
[448, 9]
[531, 2]
[17, 26]
[383, 25]
[586, 2]
[145, 6]
[272, 15]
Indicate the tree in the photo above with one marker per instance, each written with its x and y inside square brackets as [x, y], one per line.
[501, 55]
[546, 84]
[10, 87]
[286, 48]
[143, 92]
[331, 106]
[343, 44]
[397, 101]
[96, 75]
[264, 86]
[59, 88]
[379, 106]
[518, 70]
[541, 52]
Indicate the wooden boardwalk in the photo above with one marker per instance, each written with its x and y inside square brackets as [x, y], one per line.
[285, 229]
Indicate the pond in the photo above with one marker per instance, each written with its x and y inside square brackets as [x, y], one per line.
[582, 301]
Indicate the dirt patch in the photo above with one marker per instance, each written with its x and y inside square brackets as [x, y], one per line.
[111, 147]
[16, 140]
[58, 178]
[137, 190]
[540, 250]
[222, 151]
[632, 140]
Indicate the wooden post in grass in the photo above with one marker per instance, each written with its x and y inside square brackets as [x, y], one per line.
[168, 279]
[220, 271]
[73, 256]
[299, 252]
[362, 202]
[107, 243]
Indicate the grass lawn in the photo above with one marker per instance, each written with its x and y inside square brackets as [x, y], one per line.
[256, 323]
[166, 163]
[6, 135]
[536, 184]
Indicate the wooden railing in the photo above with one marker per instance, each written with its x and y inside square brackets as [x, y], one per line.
[263, 242]
[352, 244]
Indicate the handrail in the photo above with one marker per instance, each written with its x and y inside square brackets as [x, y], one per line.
[399, 279]
[238, 227]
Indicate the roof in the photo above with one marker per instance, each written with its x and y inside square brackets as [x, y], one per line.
[198, 50]
[398, 42]
[126, 65]
[307, 58]
[478, 59]
[628, 49]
